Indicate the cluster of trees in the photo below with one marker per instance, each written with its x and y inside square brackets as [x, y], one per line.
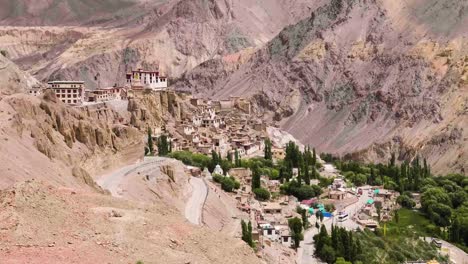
[340, 244]
[444, 201]
[261, 194]
[191, 159]
[247, 233]
[406, 200]
[407, 176]
[301, 192]
[393, 249]
[305, 162]
[163, 144]
[228, 184]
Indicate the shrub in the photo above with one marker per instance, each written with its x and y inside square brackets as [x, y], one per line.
[405, 201]
[228, 184]
[261, 194]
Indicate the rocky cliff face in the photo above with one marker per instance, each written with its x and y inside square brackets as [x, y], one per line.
[42, 138]
[365, 77]
[173, 35]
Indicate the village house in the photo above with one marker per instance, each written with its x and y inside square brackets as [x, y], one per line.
[336, 195]
[35, 91]
[144, 79]
[278, 153]
[286, 238]
[338, 183]
[103, 94]
[270, 232]
[272, 208]
[69, 92]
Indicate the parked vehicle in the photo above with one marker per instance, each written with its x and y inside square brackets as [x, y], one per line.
[342, 216]
[436, 243]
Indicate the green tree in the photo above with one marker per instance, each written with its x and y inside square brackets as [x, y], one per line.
[295, 225]
[268, 154]
[379, 211]
[341, 260]
[261, 194]
[455, 230]
[237, 160]
[305, 220]
[249, 235]
[163, 146]
[314, 158]
[256, 183]
[405, 201]
[306, 174]
[150, 141]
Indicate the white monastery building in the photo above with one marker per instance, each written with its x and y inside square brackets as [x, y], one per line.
[70, 92]
[141, 79]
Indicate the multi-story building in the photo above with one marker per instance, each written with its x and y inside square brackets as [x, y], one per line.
[69, 92]
[141, 79]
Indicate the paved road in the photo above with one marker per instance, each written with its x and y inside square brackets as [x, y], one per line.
[194, 206]
[305, 253]
[456, 254]
[113, 180]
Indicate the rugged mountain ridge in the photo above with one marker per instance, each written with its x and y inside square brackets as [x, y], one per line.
[174, 35]
[363, 77]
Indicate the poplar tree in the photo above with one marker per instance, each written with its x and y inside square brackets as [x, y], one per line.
[256, 183]
[150, 141]
[267, 151]
[306, 175]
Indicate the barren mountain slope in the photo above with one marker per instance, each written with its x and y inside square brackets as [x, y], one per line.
[68, 12]
[175, 35]
[44, 224]
[355, 73]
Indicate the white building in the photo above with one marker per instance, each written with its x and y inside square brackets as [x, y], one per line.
[69, 92]
[146, 79]
[35, 91]
[218, 170]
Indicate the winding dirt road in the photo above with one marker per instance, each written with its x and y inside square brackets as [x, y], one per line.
[194, 206]
[115, 181]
